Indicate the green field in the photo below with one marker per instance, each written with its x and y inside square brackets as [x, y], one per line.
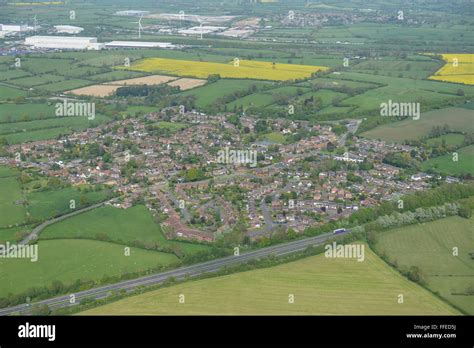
[123, 226]
[320, 285]
[11, 198]
[458, 119]
[449, 139]
[11, 93]
[430, 247]
[14, 234]
[25, 112]
[43, 205]
[172, 126]
[446, 165]
[209, 93]
[69, 260]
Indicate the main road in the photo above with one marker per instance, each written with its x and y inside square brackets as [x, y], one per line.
[179, 273]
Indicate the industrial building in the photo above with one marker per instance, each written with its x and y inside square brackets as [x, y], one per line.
[205, 29]
[132, 13]
[140, 44]
[13, 27]
[64, 42]
[68, 29]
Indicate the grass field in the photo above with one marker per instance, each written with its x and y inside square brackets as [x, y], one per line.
[459, 68]
[450, 139]
[207, 94]
[446, 165]
[320, 285]
[246, 69]
[123, 226]
[458, 119]
[10, 93]
[430, 247]
[43, 205]
[11, 207]
[172, 126]
[69, 260]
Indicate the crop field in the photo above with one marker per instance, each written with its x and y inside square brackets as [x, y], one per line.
[429, 246]
[458, 68]
[100, 91]
[320, 285]
[186, 83]
[458, 119]
[122, 226]
[67, 260]
[245, 69]
[446, 165]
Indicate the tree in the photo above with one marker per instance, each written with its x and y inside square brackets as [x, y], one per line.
[41, 309]
[416, 275]
[465, 211]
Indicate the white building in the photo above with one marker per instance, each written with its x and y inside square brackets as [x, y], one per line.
[68, 29]
[64, 42]
[205, 29]
[132, 13]
[139, 44]
[13, 27]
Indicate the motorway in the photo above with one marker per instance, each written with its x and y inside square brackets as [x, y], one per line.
[179, 273]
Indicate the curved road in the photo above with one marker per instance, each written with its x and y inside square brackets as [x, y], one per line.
[180, 273]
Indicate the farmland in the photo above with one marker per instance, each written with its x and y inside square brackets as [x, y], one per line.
[446, 165]
[296, 85]
[459, 119]
[242, 69]
[320, 285]
[121, 226]
[429, 246]
[458, 68]
[11, 206]
[68, 260]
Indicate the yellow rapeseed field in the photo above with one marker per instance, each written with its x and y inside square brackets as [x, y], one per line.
[241, 69]
[459, 68]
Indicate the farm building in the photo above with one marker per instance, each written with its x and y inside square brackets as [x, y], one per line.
[61, 42]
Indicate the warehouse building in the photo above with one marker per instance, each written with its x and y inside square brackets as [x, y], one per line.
[13, 27]
[133, 13]
[64, 43]
[140, 44]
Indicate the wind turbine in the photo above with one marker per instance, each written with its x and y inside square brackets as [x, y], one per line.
[200, 25]
[35, 23]
[140, 28]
